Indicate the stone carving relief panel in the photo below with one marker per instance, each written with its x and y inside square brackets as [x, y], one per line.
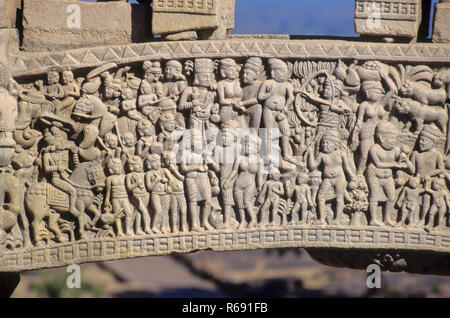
[179, 154]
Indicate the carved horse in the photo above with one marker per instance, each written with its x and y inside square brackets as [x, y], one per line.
[44, 202]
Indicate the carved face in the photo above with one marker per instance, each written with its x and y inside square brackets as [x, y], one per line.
[146, 130]
[52, 78]
[407, 89]
[111, 141]
[137, 165]
[230, 72]
[414, 183]
[275, 176]
[169, 125]
[403, 107]
[227, 138]
[387, 140]
[437, 185]
[204, 79]
[155, 164]
[172, 72]
[67, 77]
[115, 167]
[373, 94]
[329, 146]
[425, 143]
[439, 80]
[279, 74]
[152, 77]
[327, 92]
[128, 140]
[249, 76]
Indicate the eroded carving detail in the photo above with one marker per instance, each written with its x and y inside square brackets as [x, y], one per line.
[179, 150]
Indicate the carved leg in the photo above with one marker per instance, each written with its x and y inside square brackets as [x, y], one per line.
[8, 283]
[194, 210]
[373, 207]
[183, 213]
[295, 217]
[252, 215]
[431, 216]
[206, 213]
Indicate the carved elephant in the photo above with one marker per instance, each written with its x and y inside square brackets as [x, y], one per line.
[10, 201]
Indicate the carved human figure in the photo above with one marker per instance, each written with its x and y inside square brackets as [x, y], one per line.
[409, 201]
[427, 163]
[71, 91]
[277, 94]
[128, 105]
[147, 102]
[248, 182]
[153, 75]
[370, 112]
[229, 90]
[147, 137]
[175, 82]
[384, 157]
[269, 197]
[53, 91]
[178, 205]
[229, 155]
[111, 147]
[116, 198]
[55, 163]
[440, 204]
[332, 108]
[87, 150]
[302, 199]
[139, 197]
[250, 106]
[128, 145]
[200, 100]
[333, 162]
[156, 181]
[167, 125]
[197, 183]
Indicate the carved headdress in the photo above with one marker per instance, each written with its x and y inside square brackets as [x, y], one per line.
[255, 64]
[204, 66]
[432, 133]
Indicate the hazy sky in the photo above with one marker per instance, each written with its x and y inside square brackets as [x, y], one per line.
[299, 17]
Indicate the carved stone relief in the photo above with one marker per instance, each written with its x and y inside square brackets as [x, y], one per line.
[169, 155]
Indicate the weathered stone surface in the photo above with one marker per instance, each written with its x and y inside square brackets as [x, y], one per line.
[173, 16]
[8, 13]
[387, 18]
[92, 150]
[441, 24]
[82, 24]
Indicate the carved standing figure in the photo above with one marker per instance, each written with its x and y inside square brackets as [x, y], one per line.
[229, 90]
[334, 162]
[384, 157]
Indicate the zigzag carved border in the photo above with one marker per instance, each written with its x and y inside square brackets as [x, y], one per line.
[28, 63]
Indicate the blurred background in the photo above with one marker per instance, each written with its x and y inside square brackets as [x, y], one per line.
[262, 273]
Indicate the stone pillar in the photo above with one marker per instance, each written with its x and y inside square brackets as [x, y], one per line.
[388, 19]
[441, 23]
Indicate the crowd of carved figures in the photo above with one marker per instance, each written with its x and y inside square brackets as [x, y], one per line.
[202, 145]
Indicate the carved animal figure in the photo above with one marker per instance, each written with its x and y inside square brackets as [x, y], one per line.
[423, 94]
[42, 200]
[10, 201]
[422, 114]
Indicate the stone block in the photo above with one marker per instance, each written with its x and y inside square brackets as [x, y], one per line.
[387, 18]
[188, 15]
[60, 24]
[8, 13]
[441, 24]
